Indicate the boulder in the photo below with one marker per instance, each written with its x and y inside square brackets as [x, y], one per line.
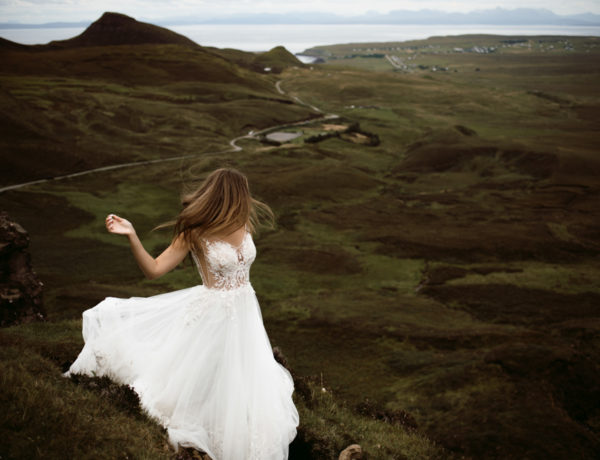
[20, 288]
[351, 452]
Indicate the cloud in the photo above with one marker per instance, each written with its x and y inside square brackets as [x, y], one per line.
[39, 11]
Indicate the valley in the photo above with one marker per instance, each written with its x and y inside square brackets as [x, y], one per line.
[436, 249]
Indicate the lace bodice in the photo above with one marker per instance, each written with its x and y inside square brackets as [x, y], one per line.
[225, 266]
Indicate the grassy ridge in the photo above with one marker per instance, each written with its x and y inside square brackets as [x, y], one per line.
[46, 416]
[448, 272]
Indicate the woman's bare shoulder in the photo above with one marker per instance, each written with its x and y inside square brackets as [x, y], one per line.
[234, 238]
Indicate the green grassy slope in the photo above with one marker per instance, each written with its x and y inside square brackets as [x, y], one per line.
[277, 59]
[45, 415]
[85, 104]
[486, 205]
[68, 124]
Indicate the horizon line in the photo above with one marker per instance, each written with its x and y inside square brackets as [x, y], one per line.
[237, 18]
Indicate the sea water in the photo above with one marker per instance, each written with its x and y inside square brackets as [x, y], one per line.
[299, 37]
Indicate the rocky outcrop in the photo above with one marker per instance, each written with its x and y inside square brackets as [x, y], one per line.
[20, 288]
[352, 452]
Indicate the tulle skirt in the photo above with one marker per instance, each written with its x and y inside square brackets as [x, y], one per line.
[202, 365]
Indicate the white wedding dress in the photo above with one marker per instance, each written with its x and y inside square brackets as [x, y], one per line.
[199, 359]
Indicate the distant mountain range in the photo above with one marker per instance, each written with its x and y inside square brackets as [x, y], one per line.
[498, 16]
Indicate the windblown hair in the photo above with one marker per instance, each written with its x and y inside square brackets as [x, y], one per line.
[221, 205]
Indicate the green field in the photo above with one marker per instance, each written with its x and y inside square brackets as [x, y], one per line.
[448, 273]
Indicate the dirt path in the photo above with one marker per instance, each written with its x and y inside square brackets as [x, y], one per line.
[232, 143]
[392, 61]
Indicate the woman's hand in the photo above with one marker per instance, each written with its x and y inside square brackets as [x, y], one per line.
[152, 268]
[118, 225]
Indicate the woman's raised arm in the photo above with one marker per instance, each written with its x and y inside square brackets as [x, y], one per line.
[151, 267]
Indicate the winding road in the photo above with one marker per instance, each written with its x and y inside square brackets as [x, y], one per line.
[232, 143]
[393, 60]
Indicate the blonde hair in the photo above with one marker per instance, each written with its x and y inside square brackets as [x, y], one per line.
[219, 206]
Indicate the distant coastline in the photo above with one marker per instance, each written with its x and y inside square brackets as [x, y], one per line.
[297, 38]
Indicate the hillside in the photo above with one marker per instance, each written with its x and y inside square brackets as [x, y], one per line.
[124, 91]
[7, 44]
[121, 49]
[277, 59]
[119, 29]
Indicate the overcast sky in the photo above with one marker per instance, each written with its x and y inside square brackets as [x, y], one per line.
[41, 11]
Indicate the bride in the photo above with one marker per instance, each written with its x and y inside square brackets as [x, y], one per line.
[199, 358]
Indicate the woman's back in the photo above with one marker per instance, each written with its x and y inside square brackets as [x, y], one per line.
[225, 263]
[199, 358]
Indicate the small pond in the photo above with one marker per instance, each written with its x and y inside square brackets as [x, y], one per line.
[281, 136]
